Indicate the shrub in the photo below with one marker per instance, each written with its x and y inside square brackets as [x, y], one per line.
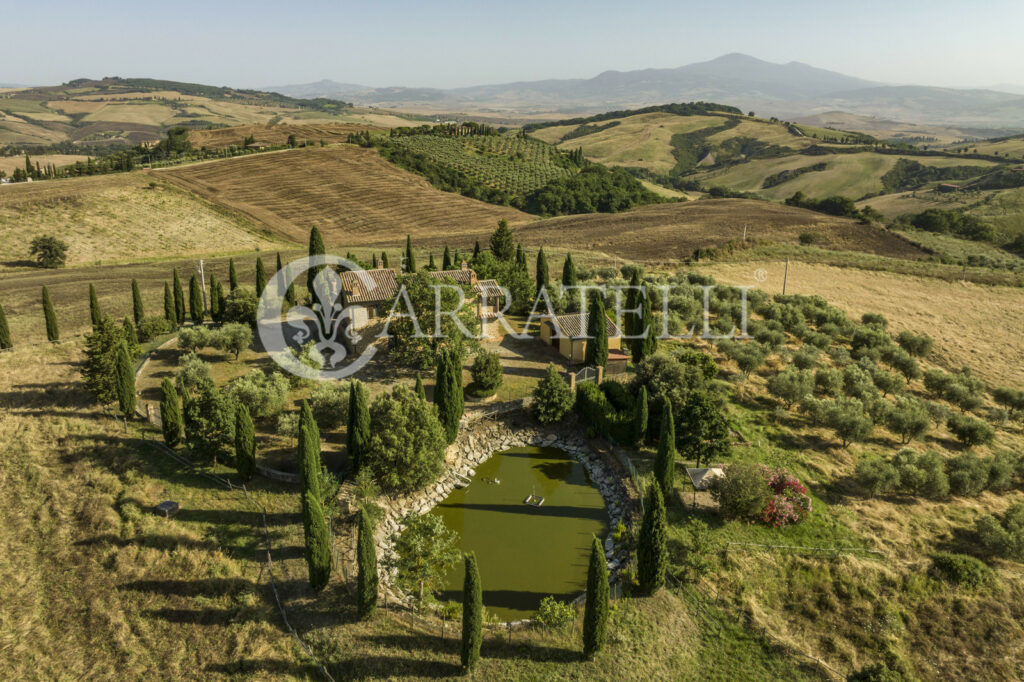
[263, 395]
[968, 475]
[789, 502]
[1004, 537]
[741, 492]
[486, 372]
[970, 431]
[407, 442]
[555, 614]
[877, 476]
[150, 328]
[288, 425]
[1002, 471]
[552, 399]
[806, 358]
[48, 251]
[191, 339]
[240, 306]
[329, 402]
[923, 475]
[960, 569]
[192, 374]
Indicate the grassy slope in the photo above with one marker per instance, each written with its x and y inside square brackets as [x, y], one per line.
[118, 218]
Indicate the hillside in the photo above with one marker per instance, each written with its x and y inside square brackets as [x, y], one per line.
[118, 111]
[353, 195]
[118, 217]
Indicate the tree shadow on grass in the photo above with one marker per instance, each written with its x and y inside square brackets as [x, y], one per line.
[276, 667]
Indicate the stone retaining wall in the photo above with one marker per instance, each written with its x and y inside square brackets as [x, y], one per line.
[475, 444]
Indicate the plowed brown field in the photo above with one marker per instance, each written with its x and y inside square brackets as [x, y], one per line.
[355, 197]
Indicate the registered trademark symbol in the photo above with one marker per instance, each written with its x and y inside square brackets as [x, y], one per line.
[760, 274]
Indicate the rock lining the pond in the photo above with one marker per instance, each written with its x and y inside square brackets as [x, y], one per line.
[476, 443]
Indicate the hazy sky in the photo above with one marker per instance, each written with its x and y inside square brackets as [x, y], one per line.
[447, 43]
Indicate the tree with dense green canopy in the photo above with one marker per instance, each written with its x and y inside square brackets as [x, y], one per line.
[49, 251]
[245, 443]
[521, 259]
[232, 274]
[646, 342]
[52, 331]
[170, 413]
[384, 259]
[316, 248]
[138, 311]
[169, 304]
[95, 314]
[5, 331]
[446, 259]
[261, 276]
[367, 581]
[502, 242]
[706, 436]
[472, 613]
[99, 370]
[486, 372]
[420, 390]
[430, 263]
[407, 442]
[476, 250]
[652, 551]
[596, 188]
[209, 421]
[195, 301]
[179, 300]
[595, 614]
[552, 399]
[216, 300]
[448, 393]
[410, 258]
[597, 333]
[543, 276]
[665, 462]
[358, 431]
[125, 381]
[318, 543]
[131, 339]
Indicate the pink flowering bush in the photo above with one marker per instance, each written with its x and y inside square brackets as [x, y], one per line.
[789, 502]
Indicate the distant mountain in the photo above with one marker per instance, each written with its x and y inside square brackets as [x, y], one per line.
[784, 90]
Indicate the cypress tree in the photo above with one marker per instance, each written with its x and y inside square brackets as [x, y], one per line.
[95, 314]
[232, 275]
[5, 331]
[358, 424]
[420, 390]
[595, 615]
[130, 337]
[448, 393]
[652, 554]
[632, 319]
[665, 462]
[430, 263]
[476, 249]
[366, 556]
[502, 242]
[168, 303]
[52, 332]
[375, 263]
[384, 259]
[216, 295]
[138, 312]
[245, 443]
[456, 260]
[316, 248]
[318, 544]
[278, 267]
[521, 259]
[170, 413]
[410, 258]
[125, 381]
[261, 276]
[472, 613]
[640, 416]
[543, 277]
[568, 271]
[446, 259]
[195, 301]
[179, 300]
[643, 347]
[597, 330]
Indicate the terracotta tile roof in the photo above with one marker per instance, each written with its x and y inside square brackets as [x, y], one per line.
[490, 288]
[370, 286]
[574, 325]
[458, 276]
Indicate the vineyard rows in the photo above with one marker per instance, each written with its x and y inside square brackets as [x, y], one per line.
[508, 163]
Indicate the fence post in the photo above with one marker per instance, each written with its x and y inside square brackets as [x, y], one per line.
[572, 380]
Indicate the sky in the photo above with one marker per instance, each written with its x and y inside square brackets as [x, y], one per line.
[450, 43]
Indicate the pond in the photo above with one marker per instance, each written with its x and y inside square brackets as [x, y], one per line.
[525, 552]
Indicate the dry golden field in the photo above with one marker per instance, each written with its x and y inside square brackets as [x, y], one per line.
[9, 163]
[274, 134]
[974, 325]
[118, 218]
[355, 197]
[670, 232]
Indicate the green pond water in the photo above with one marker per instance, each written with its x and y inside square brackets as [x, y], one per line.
[525, 552]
